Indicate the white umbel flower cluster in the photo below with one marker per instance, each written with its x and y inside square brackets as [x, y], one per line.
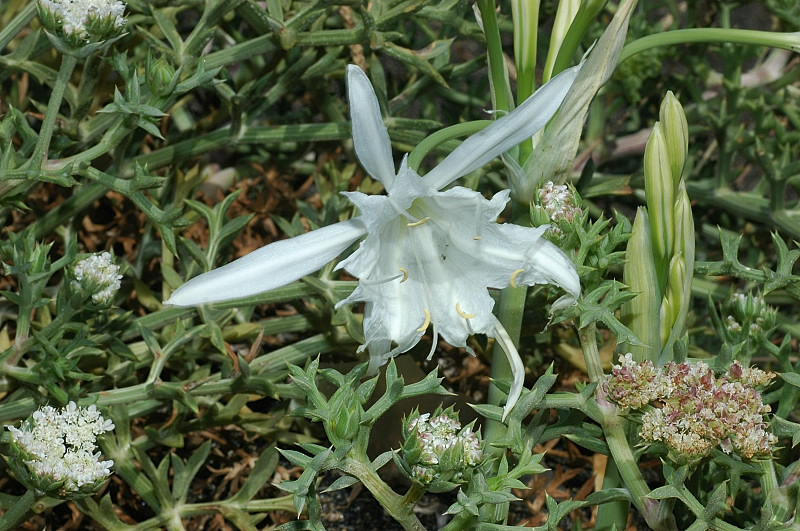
[438, 448]
[558, 201]
[59, 447]
[76, 17]
[692, 410]
[97, 275]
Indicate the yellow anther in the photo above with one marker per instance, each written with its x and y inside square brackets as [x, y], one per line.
[405, 274]
[418, 223]
[427, 321]
[514, 277]
[460, 312]
[477, 237]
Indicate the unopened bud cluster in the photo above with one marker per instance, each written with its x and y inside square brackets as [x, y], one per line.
[557, 204]
[438, 448]
[634, 385]
[57, 449]
[97, 276]
[694, 411]
[81, 21]
[747, 317]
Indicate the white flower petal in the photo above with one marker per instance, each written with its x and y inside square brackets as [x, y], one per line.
[544, 263]
[517, 368]
[506, 132]
[429, 259]
[269, 267]
[370, 138]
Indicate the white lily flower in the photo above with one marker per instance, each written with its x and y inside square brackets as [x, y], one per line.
[429, 256]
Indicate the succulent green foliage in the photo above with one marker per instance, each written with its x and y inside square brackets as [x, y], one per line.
[348, 420]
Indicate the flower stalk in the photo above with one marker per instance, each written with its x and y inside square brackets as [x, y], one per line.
[396, 505]
[39, 157]
[786, 41]
[498, 77]
[17, 513]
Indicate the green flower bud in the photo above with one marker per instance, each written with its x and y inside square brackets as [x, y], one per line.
[676, 134]
[679, 281]
[747, 318]
[345, 423]
[565, 14]
[660, 195]
[640, 314]
[674, 300]
[161, 78]
[671, 223]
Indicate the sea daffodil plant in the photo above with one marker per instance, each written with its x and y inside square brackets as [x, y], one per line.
[429, 256]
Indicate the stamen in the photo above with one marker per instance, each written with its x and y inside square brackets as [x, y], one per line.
[434, 342]
[460, 312]
[418, 223]
[403, 275]
[477, 238]
[427, 321]
[514, 277]
[517, 368]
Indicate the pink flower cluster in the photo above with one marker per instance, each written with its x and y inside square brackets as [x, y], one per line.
[691, 410]
[558, 201]
[557, 205]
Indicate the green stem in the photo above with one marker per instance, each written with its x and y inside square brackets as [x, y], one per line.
[775, 495]
[110, 140]
[440, 137]
[460, 521]
[525, 15]
[16, 514]
[613, 428]
[509, 312]
[23, 341]
[575, 34]
[494, 51]
[629, 471]
[613, 515]
[594, 365]
[68, 63]
[392, 502]
[414, 493]
[510, 309]
[19, 22]
[787, 41]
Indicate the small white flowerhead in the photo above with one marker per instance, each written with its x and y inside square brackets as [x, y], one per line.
[747, 317]
[78, 22]
[558, 201]
[98, 277]
[693, 410]
[437, 451]
[633, 385]
[53, 451]
[557, 205]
